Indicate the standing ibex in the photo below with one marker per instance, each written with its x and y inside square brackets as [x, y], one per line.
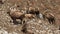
[16, 15]
[50, 17]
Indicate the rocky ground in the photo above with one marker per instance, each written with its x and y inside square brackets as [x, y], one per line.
[38, 26]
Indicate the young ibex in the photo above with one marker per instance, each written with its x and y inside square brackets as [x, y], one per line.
[50, 17]
[34, 11]
[29, 16]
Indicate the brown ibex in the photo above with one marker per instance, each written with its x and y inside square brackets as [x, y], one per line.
[25, 30]
[16, 15]
[50, 17]
[34, 11]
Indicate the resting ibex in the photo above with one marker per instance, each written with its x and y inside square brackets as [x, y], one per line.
[25, 30]
[29, 16]
[34, 11]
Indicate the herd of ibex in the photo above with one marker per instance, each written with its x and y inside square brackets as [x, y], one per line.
[31, 13]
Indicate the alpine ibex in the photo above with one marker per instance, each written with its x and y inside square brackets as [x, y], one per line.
[50, 17]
